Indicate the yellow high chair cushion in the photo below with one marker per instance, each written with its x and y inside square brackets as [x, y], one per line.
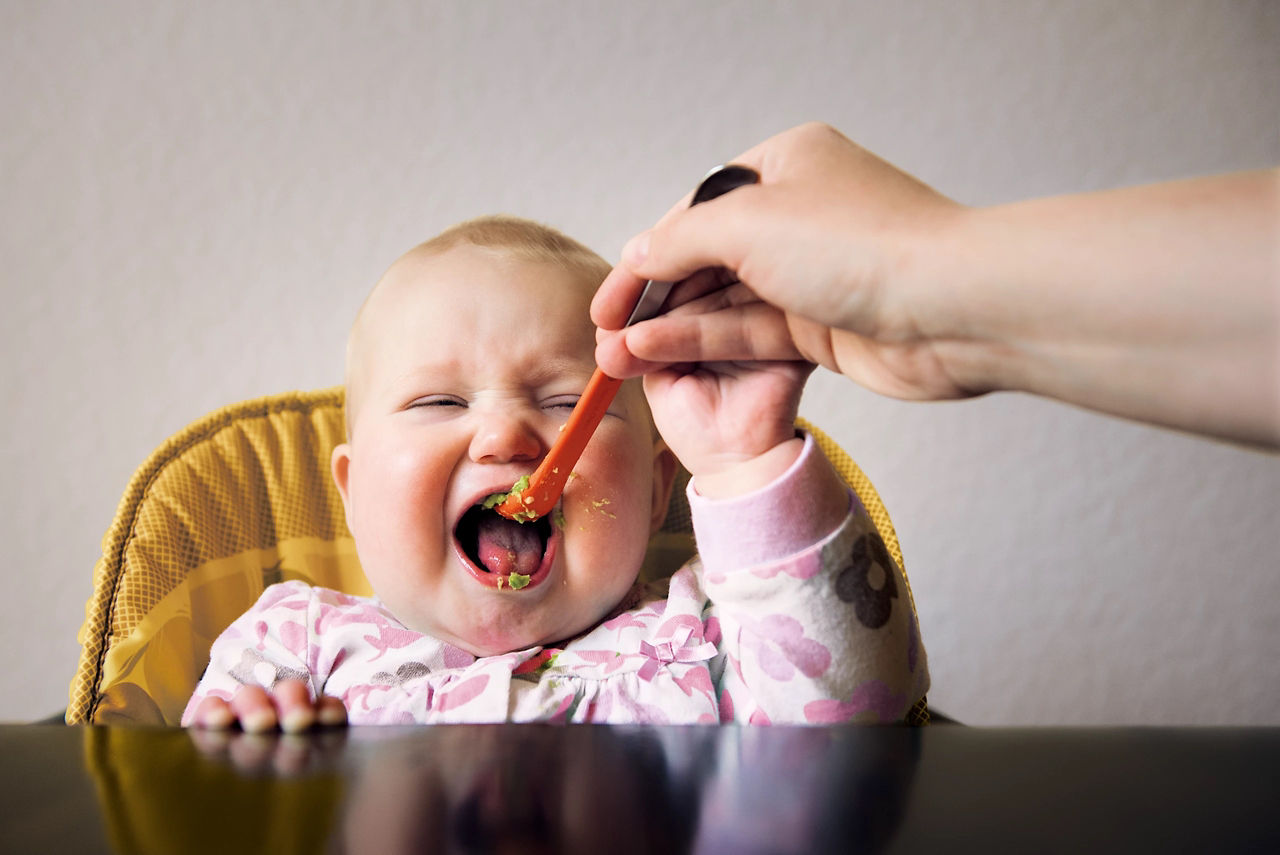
[240, 500]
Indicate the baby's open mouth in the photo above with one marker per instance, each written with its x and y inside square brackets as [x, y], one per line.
[511, 552]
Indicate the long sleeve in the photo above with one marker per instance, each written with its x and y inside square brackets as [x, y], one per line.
[266, 644]
[811, 613]
[347, 647]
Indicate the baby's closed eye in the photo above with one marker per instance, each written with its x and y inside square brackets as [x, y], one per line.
[437, 401]
[561, 402]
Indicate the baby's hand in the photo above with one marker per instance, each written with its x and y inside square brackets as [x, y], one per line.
[732, 424]
[288, 706]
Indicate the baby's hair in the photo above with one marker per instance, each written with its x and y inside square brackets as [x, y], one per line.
[516, 237]
[523, 239]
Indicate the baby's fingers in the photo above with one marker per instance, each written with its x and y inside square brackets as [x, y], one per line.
[298, 712]
[213, 713]
[330, 711]
[294, 709]
[253, 708]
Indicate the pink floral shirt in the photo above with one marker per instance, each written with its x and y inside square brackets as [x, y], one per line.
[773, 623]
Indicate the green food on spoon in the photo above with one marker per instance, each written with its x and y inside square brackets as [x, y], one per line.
[521, 484]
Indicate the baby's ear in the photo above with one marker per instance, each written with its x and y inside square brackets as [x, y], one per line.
[664, 478]
[340, 465]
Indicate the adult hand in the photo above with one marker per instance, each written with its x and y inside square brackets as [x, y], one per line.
[795, 267]
[1157, 303]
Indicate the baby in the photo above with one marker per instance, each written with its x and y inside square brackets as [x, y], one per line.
[462, 366]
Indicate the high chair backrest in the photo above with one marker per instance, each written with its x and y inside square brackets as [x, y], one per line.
[240, 500]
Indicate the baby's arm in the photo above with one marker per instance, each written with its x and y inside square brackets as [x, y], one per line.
[259, 675]
[813, 616]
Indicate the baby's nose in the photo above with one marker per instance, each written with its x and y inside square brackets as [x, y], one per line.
[502, 437]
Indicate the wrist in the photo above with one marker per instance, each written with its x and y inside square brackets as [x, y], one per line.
[799, 508]
[748, 474]
[958, 297]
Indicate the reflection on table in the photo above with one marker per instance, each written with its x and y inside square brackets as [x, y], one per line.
[496, 788]
[543, 788]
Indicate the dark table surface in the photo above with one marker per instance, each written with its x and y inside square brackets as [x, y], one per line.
[585, 788]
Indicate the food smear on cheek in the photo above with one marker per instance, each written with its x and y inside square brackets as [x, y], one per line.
[591, 508]
[600, 506]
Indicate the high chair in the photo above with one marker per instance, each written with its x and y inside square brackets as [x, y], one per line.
[242, 499]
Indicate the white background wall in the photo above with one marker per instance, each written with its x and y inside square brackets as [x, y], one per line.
[196, 197]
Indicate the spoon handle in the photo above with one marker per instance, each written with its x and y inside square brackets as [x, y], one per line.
[548, 480]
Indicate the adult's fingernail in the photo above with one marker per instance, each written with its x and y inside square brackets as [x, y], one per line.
[636, 250]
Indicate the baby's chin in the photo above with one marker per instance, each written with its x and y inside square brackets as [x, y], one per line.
[485, 645]
[503, 637]
[482, 644]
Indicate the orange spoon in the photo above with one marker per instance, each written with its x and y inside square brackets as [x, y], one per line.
[539, 495]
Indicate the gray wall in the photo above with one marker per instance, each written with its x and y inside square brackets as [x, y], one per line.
[196, 197]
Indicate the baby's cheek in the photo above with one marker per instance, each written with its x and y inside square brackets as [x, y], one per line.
[606, 527]
[607, 498]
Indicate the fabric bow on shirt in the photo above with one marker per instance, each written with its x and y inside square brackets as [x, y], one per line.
[678, 649]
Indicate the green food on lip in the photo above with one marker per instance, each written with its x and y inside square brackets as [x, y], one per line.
[514, 581]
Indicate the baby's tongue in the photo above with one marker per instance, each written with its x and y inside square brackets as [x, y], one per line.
[505, 547]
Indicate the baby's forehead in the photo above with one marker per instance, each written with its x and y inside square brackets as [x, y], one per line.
[425, 280]
[423, 272]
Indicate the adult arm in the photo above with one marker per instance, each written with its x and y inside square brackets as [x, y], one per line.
[1158, 303]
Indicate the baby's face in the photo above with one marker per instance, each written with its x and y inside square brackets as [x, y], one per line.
[467, 364]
